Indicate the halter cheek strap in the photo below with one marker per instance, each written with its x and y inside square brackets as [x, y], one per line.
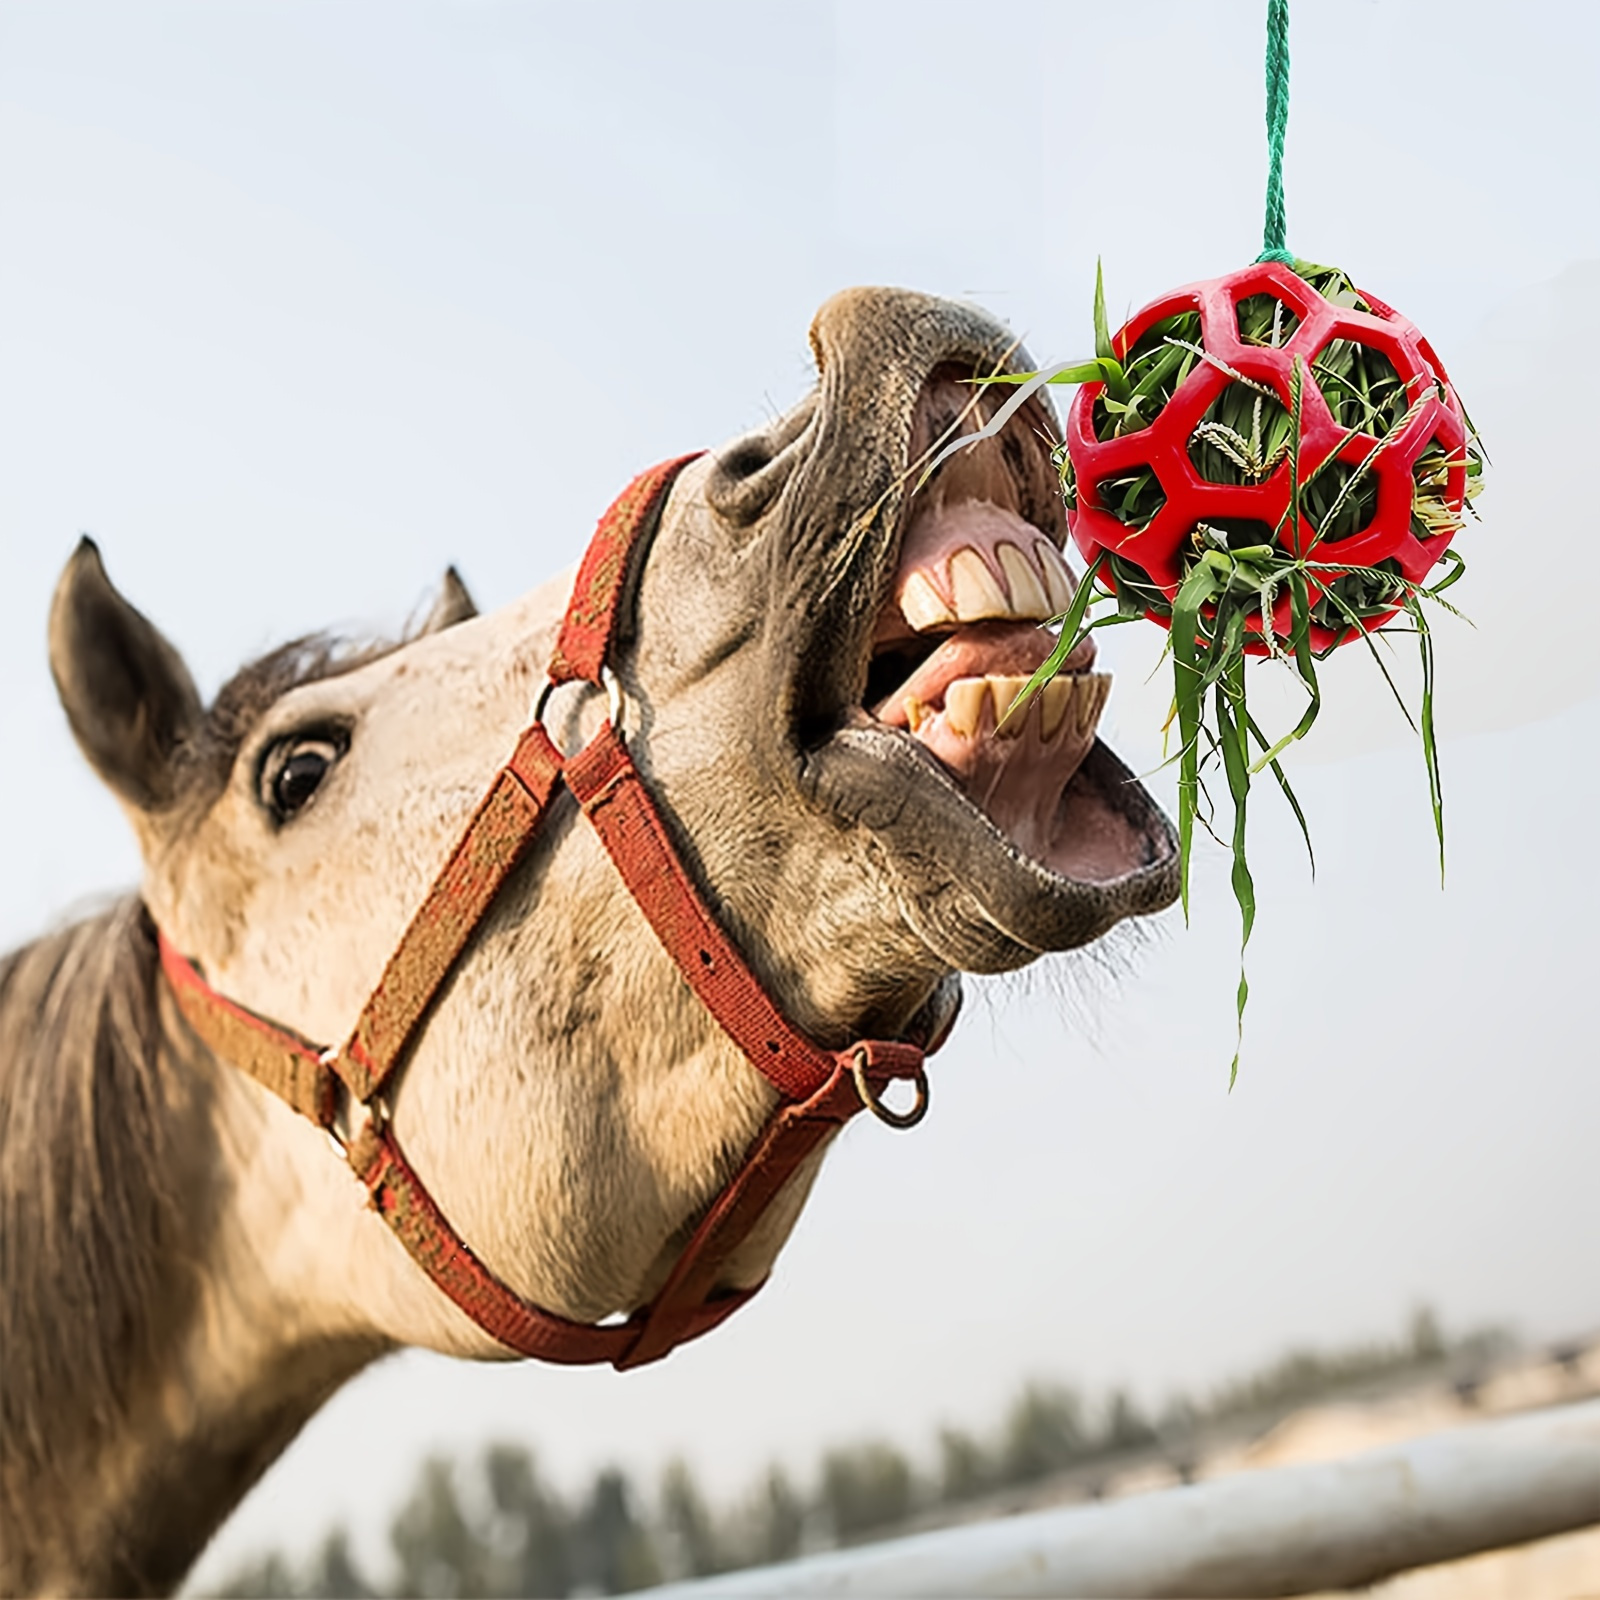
[819, 1090]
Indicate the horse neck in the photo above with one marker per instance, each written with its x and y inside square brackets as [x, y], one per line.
[159, 1355]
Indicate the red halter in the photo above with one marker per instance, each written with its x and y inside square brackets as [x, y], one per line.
[819, 1090]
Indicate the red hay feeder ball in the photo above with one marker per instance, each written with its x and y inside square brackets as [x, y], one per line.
[1387, 465]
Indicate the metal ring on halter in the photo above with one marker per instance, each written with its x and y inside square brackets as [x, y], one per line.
[341, 1131]
[613, 699]
[542, 699]
[608, 680]
[874, 1103]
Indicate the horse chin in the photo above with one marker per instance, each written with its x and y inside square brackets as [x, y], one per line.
[977, 898]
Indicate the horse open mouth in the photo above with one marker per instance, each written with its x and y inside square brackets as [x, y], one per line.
[980, 571]
[999, 843]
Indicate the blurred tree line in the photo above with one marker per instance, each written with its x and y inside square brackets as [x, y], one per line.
[495, 1527]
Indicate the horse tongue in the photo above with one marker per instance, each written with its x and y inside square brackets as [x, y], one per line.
[985, 649]
[1017, 773]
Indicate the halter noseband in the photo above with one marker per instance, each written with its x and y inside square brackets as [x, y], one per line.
[818, 1090]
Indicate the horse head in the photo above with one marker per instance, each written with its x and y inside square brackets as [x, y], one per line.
[814, 648]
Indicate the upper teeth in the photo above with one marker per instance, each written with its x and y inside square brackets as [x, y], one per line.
[1025, 581]
[1031, 585]
[976, 591]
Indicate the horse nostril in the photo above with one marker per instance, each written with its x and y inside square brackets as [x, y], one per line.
[745, 481]
[752, 472]
[746, 458]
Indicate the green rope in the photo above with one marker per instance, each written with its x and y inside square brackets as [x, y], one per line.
[1277, 126]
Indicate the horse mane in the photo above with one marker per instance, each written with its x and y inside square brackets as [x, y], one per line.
[97, 1246]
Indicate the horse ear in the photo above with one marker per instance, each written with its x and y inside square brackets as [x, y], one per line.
[454, 604]
[127, 694]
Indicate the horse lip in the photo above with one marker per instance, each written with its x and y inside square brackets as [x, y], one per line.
[923, 442]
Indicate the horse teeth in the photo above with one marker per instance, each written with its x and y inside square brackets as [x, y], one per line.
[1056, 698]
[975, 588]
[1092, 701]
[1028, 597]
[1028, 587]
[963, 705]
[1057, 575]
[917, 712]
[920, 604]
[1005, 690]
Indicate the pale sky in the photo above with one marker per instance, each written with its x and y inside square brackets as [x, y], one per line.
[299, 303]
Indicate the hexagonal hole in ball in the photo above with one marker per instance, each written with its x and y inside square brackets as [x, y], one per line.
[1361, 386]
[1243, 438]
[1265, 321]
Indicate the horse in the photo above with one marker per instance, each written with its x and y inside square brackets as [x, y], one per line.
[809, 648]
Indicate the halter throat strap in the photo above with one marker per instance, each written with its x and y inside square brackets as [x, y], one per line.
[818, 1089]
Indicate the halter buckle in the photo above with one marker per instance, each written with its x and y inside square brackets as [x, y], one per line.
[873, 1099]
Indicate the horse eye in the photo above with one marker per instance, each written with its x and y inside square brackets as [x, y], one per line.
[293, 772]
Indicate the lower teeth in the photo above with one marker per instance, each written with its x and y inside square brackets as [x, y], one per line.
[1069, 703]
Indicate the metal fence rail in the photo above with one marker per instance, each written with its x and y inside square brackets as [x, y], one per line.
[1284, 1531]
